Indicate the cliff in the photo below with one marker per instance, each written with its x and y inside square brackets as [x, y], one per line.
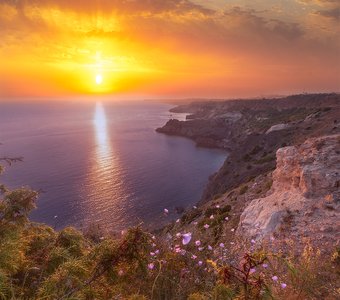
[304, 200]
[252, 131]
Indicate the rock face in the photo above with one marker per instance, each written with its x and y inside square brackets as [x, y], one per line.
[305, 198]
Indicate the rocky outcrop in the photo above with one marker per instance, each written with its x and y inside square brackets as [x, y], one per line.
[277, 127]
[305, 196]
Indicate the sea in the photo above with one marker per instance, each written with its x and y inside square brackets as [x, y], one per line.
[102, 162]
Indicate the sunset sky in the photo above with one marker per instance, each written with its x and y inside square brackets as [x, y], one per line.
[169, 48]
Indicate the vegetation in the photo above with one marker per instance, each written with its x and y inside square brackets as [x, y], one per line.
[37, 262]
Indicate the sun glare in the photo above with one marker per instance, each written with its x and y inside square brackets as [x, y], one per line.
[99, 79]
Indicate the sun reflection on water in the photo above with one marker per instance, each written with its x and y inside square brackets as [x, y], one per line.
[105, 192]
[102, 139]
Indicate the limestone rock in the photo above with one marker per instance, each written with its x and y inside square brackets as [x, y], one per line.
[305, 190]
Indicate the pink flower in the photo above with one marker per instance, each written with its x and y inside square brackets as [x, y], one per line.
[200, 248]
[206, 226]
[226, 218]
[275, 278]
[157, 252]
[120, 272]
[200, 263]
[198, 243]
[212, 216]
[194, 207]
[217, 206]
[193, 256]
[166, 211]
[232, 229]
[283, 285]
[222, 245]
[177, 221]
[186, 238]
[178, 235]
[210, 248]
[253, 242]
[265, 266]
[252, 270]
[152, 253]
[151, 266]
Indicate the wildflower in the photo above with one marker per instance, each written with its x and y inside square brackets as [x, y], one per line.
[183, 252]
[265, 265]
[198, 243]
[193, 256]
[151, 266]
[186, 238]
[232, 229]
[178, 235]
[232, 243]
[177, 221]
[200, 248]
[283, 285]
[101, 238]
[217, 206]
[222, 245]
[253, 242]
[226, 218]
[120, 272]
[153, 237]
[166, 211]
[195, 223]
[200, 263]
[152, 253]
[157, 252]
[194, 207]
[212, 216]
[206, 226]
[210, 248]
[177, 249]
[275, 278]
[252, 270]
[153, 245]
[55, 216]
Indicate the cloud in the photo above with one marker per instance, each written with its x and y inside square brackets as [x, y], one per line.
[333, 13]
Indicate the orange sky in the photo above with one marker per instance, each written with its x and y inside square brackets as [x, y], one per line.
[169, 48]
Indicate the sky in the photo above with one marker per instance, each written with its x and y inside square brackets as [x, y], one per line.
[168, 48]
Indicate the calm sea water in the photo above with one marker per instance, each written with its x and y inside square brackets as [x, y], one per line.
[102, 162]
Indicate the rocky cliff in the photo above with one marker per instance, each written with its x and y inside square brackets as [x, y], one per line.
[252, 131]
[304, 200]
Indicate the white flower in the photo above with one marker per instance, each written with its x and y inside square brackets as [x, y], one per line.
[178, 235]
[186, 238]
[198, 243]
[194, 207]
[151, 266]
[226, 218]
[152, 253]
[206, 226]
[195, 223]
[166, 211]
[200, 263]
[212, 216]
[200, 248]
[232, 229]
[217, 206]
[177, 221]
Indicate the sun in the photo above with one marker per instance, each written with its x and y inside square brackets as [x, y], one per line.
[99, 79]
